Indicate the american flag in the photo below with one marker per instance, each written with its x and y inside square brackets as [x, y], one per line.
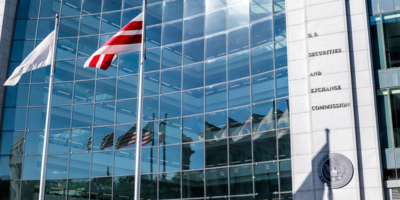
[108, 141]
[161, 133]
[128, 39]
[129, 137]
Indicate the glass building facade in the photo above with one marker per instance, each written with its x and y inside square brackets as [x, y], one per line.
[216, 106]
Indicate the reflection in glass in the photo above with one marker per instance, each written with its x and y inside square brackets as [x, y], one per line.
[100, 188]
[105, 89]
[18, 95]
[266, 178]
[377, 44]
[59, 141]
[215, 21]
[84, 73]
[81, 140]
[10, 167]
[169, 185]
[193, 76]
[149, 130]
[66, 48]
[128, 63]
[151, 83]
[34, 142]
[61, 117]
[264, 146]
[149, 160]
[78, 188]
[12, 143]
[192, 184]
[193, 102]
[193, 156]
[82, 115]
[215, 71]
[87, 46]
[260, 9]
[238, 66]
[148, 186]
[263, 87]
[216, 153]
[281, 54]
[194, 27]
[285, 172]
[102, 164]
[384, 119]
[170, 105]
[280, 26]
[127, 87]
[154, 14]
[38, 94]
[62, 93]
[194, 7]
[111, 22]
[124, 162]
[21, 49]
[238, 40]
[65, 69]
[150, 108]
[241, 180]
[262, 59]
[239, 121]
[264, 117]
[71, 7]
[89, 24]
[173, 10]
[14, 116]
[261, 32]
[171, 56]
[194, 51]
[282, 113]
[217, 182]
[214, 4]
[32, 166]
[28, 9]
[284, 143]
[57, 166]
[104, 113]
[282, 88]
[79, 165]
[172, 32]
[215, 97]
[125, 136]
[170, 158]
[170, 131]
[153, 37]
[216, 125]
[126, 111]
[240, 150]
[216, 46]
[112, 5]
[279, 5]
[123, 187]
[193, 129]
[239, 93]
[24, 27]
[238, 14]
[68, 27]
[103, 138]
[171, 80]
[30, 189]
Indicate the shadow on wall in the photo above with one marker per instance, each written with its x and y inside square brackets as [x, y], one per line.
[310, 184]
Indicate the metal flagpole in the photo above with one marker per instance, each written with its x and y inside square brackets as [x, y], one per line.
[48, 114]
[139, 109]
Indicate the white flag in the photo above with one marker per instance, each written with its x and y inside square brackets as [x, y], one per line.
[41, 56]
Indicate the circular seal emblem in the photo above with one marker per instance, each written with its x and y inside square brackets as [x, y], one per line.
[336, 170]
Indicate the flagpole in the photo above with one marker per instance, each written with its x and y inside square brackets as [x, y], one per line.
[138, 157]
[48, 114]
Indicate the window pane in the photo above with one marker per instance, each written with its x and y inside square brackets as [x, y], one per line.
[263, 87]
[17, 95]
[84, 73]
[215, 71]
[78, 188]
[149, 130]
[216, 46]
[28, 8]
[238, 40]
[239, 93]
[55, 188]
[59, 141]
[151, 84]
[65, 70]
[150, 108]
[193, 184]
[241, 180]
[21, 49]
[194, 27]
[261, 32]
[266, 178]
[130, 14]
[103, 138]
[216, 153]
[193, 76]
[11, 143]
[216, 125]
[126, 111]
[128, 63]
[262, 59]
[264, 117]
[280, 54]
[101, 188]
[91, 6]
[79, 165]
[124, 162]
[239, 121]
[193, 156]
[66, 48]
[13, 119]
[170, 158]
[87, 46]
[260, 9]
[62, 93]
[238, 14]
[240, 150]
[170, 131]
[238, 66]
[173, 10]
[285, 172]
[194, 7]
[82, 116]
[104, 113]
[60, 117]
[105, 89]
[282, 110]
[153, 36]
[280, 26]
[23, 29]
[71, 7]
[57, 166]
[68, 27]
[36, 118]
[284, 143]
[38, 94]
[171, 80]
[153, 61]
[111, 5]
[148, 186]
[384, 119]
[49, 8]
[172, 32]
[214, 4]
[80, 138]
[154, 14]
[10, 167]
[32, 166]
[171, 56]
[215, 97]
[111, 22]
[111, 71]
[132, 3]
[102, 164]
[149, 160]
[127, 87]
[45, 27]
[264, 146]
[123, 136]
[25, 78]
[170, 105]
[34, 142]
[123, 187]
[169, 184]
[279, 5]
[193, 128]
[194, 51]
[84, 92]
[215, 21]
[193, 102]
[217, 182]
[282, 88]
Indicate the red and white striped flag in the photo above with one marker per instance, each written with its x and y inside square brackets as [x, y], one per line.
[128, 39]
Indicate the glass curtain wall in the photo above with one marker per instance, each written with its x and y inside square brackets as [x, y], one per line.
[216, 107]
[385, 32]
